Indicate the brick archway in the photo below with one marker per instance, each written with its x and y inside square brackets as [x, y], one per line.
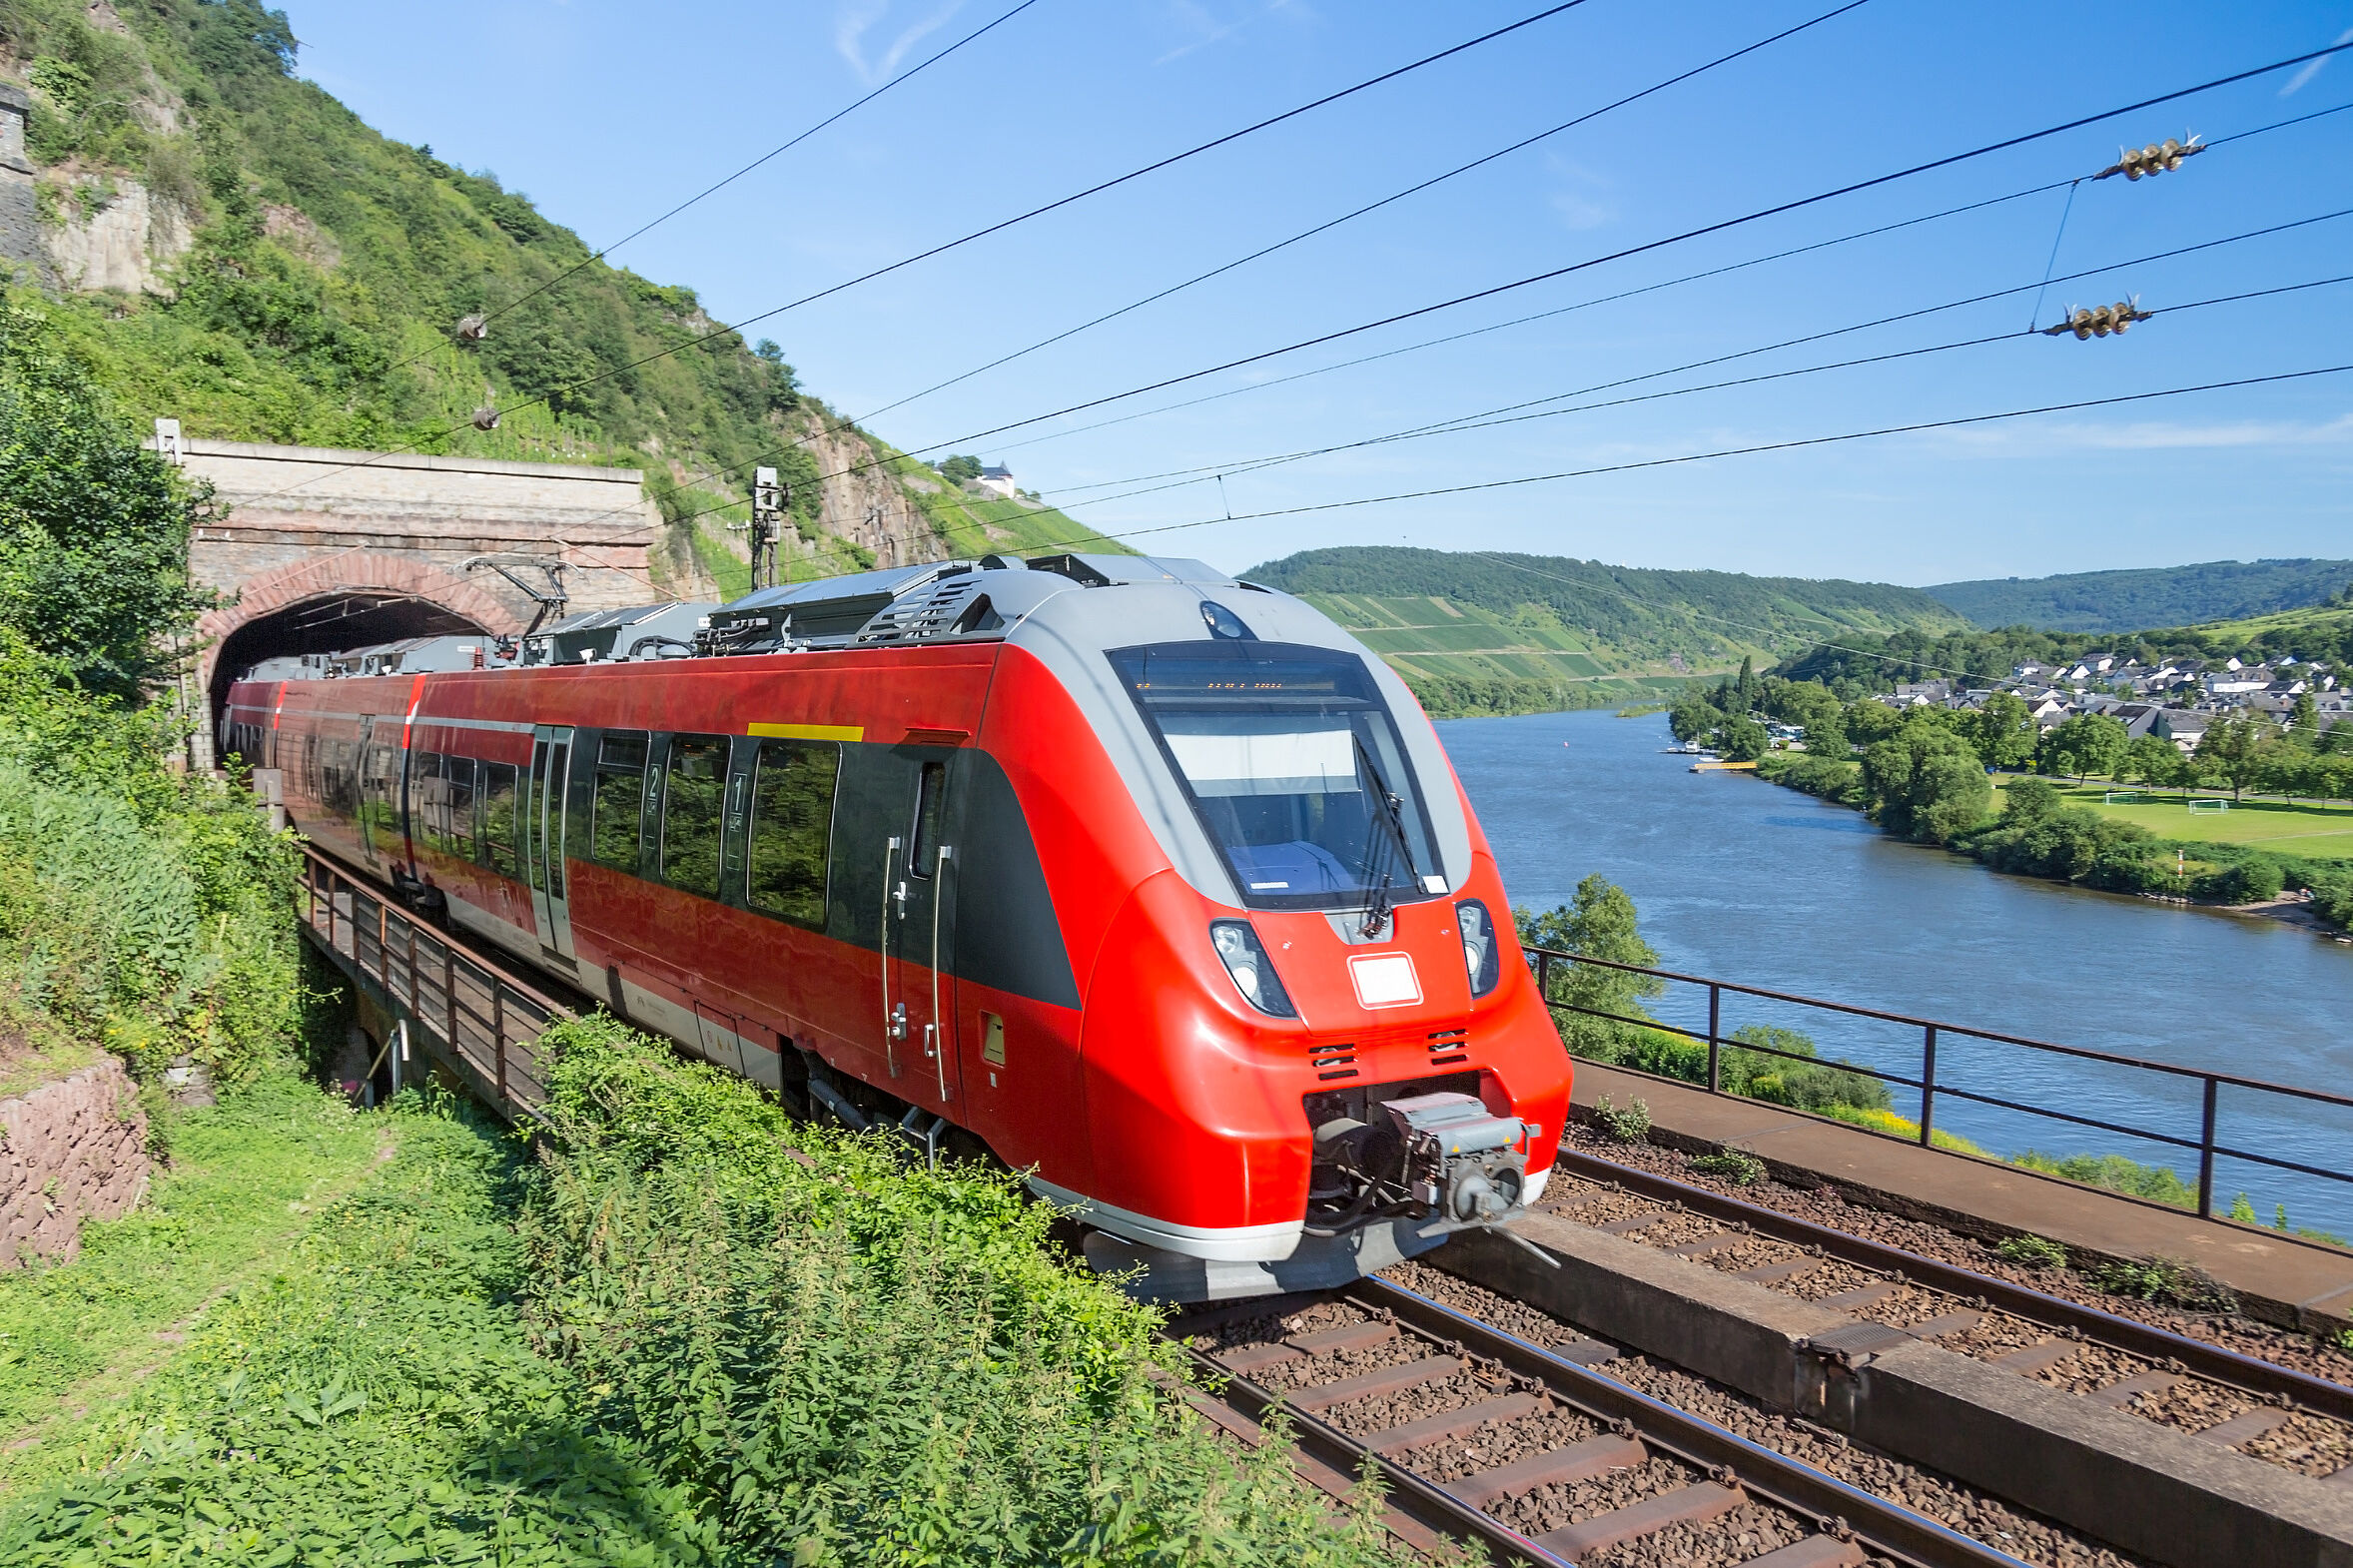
[355, 571]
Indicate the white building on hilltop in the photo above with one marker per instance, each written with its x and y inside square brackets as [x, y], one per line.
[997, 482]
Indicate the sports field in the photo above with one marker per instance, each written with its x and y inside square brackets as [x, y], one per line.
[2297, 830]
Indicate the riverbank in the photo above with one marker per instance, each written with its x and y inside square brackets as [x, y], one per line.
[2060, 834]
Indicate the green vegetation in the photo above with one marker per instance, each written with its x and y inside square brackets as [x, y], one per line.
[2169, 1281]
[1628, 1123]
[327, 267]
[1478, 633]
[1984, 658]
[689, 1332]
[244, 1180]
[1736, 1165]
[2032, 1251]
[2119, 601]
[2296, 827]
[139, 907]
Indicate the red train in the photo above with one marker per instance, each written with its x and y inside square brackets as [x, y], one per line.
[1154, 883]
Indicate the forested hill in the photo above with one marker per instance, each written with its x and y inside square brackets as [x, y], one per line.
[1481, 633]
[2120, 601]
[229, 244]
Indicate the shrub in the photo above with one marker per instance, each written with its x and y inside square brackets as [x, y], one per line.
[1802, 1084]
[1736, 1165]
[841, 1357]
[2032, 1251]
[2167, 1280]
[2158, 1184]
[1629, 1124]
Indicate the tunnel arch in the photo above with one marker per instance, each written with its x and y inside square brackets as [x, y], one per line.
[343, 601]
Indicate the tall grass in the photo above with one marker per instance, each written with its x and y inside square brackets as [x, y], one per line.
[840, 1358]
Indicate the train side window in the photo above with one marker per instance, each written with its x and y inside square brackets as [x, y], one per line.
[498, 840]
[428, 804]
[792, 828]
[457, 775]
[691, 798]
[620, 794]
[929, 795]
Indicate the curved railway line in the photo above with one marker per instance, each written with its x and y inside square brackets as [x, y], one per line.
[1480, 1435]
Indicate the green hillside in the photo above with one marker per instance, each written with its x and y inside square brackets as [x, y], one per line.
[2325, 634]
[303, 277]
[1529, 633]
[2120, 601]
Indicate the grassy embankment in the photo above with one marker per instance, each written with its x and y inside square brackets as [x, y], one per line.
[688, 1332]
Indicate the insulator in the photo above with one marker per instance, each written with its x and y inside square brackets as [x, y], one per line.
[2081, 321]
[2123, 315]
[472, 329]
[2172, 153]
[485, 418]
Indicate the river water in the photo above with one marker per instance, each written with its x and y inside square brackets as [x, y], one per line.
[1744, 881]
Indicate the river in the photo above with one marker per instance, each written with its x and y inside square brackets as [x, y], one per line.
[1744, 881]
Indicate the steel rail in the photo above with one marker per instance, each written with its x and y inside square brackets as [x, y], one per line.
[2214, 1362]
[1887, 1528]
[1422, 1503]
[1836, 1507]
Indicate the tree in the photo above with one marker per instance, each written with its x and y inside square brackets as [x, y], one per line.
[1600, 922]
[2233, 750]
[2304, 720]
[2087, 744]
[1866, 722]
[2003, 731]
[93, 529]
[1694, 717]
[2153, 760]
[1745, 740]
[1826, 734]
[1925, 782]
[961, 467]
[1748, 692]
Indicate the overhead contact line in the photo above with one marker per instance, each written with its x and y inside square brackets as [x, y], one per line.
[488, 316]
[1719, 227]
[1510, 413]
[1007, 223]
[1627, 293]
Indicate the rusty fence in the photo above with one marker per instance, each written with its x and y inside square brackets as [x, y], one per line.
[460, 1005]
[2175, 1110]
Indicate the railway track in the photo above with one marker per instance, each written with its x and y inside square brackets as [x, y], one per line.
[1981, 1314]
[1480, 1436]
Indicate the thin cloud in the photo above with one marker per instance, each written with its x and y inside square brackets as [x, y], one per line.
[2155, 437]
[856, 20]
[2312, 69]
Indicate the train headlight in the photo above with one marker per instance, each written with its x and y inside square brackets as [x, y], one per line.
[1482, 954]
[1253, 972]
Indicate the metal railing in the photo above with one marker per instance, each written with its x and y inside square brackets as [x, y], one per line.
[2208, 1144]
[469, 1012]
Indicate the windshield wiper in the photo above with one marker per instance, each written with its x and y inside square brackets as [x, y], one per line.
[1393, 812]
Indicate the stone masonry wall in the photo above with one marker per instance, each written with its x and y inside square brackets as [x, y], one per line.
[69, 1151]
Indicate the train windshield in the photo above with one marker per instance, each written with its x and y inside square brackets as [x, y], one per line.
[1295, 766]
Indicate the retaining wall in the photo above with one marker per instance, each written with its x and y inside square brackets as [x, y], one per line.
[70, 1150]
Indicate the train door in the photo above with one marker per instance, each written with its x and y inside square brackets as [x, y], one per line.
[920, 927]
[379, 813]
[545, 814]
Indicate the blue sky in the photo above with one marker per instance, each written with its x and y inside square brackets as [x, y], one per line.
[607, 114]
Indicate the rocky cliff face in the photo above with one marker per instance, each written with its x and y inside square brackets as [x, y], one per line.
[114, 237]
[69, 1151]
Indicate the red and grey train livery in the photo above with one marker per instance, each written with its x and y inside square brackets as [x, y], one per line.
[1154, 883]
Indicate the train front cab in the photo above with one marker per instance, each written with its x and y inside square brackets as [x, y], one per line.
[1296, 931]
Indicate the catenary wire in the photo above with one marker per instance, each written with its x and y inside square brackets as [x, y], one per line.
[717, 186]
[1371, 206]
[1487, 417]
[999, 226]
[838, 425]
[1610, 298]
[1735, 451]
[1544, 276]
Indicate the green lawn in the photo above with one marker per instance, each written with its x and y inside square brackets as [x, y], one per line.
[244, 1182]
[2294, 829]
